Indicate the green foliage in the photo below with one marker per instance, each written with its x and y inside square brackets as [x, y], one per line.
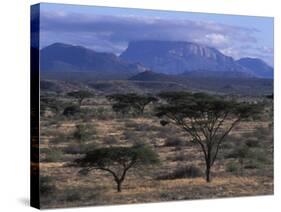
[117, 160]
[200, 105]
[50, 103]
[240, 152]
[71, 110]
[207, 119]
[53, 155]
[103, 157]
[84, 132]
[232, 167]
[253, 143]
[80, 95]
[131, 102]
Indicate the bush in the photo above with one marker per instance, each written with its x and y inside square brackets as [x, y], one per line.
[232, 167]
[166, 131]
[58, 138]
[79, 148]
[253, 164]
[133, 138]
[84, 132]
[72, 149]
[180, 157]
[102, 113]
[173, 142]
[72, 195]
[46, 185]
[53, 155]
[252, 143]
[129, 135]
[190, 171]
[71, 110]
[259, 155]
[110, 140]
[239, 152]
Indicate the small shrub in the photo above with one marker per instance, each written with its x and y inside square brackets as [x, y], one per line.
[252, 143]
[84, 132]
[53, 155]
[129, 135]
[46, 185]
[180, 157]
[259, 155]
[79, 148]
[72, 149]
[166, 131]
[58, 138]
[110, 140]
[71, 110]
[173, 142]
[232, 167]
[72, 195]
[190, 171]
[102, 113]
[253, 164]
[239, 152]
[84, 148]
[138, 126]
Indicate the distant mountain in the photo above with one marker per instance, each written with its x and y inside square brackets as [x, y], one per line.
[176, 57]
[214, 82]
[188, 76]
[217, 74]
[257, 66]
[153, 76]
[166, 58]
[62, 58]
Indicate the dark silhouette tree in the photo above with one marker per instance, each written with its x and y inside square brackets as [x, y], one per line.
[80, 95]
[125, 103]
[206, 119]
[117, 161]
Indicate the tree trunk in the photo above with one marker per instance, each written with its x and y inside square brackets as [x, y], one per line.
[242, 167]
[80, 102]
[119, 183]
[208, 173]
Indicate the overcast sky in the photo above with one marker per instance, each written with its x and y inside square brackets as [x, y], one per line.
[108, 29]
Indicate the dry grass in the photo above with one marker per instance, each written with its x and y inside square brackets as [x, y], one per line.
[98, 187]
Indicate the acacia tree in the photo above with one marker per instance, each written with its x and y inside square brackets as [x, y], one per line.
[118, 161]
[206, 119]
[80, 95]
[130, 102]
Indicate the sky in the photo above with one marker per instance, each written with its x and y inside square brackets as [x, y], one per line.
[107, 29]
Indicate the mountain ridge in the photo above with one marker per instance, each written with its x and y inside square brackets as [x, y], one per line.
[60, 57]
[177, 57]
[260, 68]
[164, 57]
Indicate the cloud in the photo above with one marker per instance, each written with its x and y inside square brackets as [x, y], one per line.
[112, 33]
